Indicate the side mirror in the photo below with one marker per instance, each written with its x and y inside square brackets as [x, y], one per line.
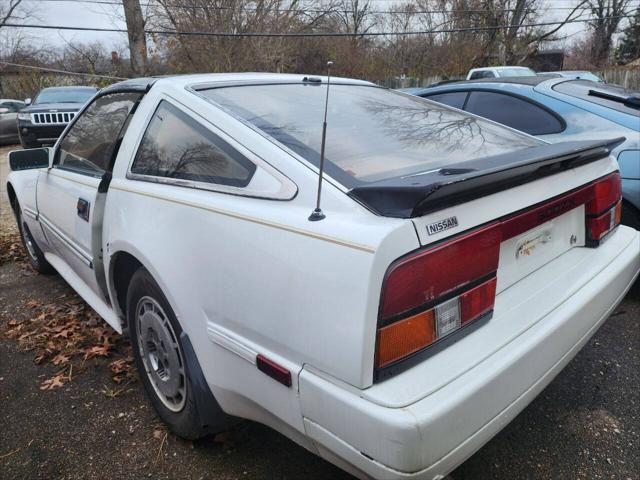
[27, 101]
[4, 110]
[29, 159]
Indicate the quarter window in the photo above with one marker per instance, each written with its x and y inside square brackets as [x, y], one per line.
[89, 144]
[453, 99]
[177, 146]
[514, 112]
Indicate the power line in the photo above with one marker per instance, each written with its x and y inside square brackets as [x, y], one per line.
[66, 72]
[308, 34]
[316, 10]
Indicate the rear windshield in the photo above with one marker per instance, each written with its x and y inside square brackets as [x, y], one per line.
[611, 96]
[516, 72]
[373, 133]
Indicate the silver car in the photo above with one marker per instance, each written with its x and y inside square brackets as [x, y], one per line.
[8, 120]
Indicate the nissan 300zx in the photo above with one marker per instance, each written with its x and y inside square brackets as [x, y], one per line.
[459, 266]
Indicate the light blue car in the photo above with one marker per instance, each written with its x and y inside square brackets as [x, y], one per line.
[558, 109]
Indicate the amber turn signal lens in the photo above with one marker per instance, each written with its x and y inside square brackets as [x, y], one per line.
[405, 337]
[618, 214]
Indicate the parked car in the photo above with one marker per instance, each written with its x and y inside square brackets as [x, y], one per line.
[575, 74]
[499, 72]
[559, 109]
[460, 265]
[44, 119]
[8, 115]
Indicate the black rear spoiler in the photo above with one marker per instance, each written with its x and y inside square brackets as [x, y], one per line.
[418, 194]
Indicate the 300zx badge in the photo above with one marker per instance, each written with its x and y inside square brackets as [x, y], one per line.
[442, 225]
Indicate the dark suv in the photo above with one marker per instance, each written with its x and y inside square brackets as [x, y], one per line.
[42, 122]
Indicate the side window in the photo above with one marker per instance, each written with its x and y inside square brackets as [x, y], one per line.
[514, 112]
[89, 145]
[453, 99]
[10, 105]
[177, 146]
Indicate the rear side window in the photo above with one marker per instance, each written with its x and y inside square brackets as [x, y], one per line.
[514, 112]
[482, 74]
[177, 146]
[453, 99]
[89, 144]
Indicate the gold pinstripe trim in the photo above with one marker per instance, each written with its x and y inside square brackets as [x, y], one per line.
[355, 246]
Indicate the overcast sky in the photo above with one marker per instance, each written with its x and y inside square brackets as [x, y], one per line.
[70, 13]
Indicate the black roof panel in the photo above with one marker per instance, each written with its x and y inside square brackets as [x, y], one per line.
[141, 84]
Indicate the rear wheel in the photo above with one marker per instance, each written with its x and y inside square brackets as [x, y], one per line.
[34, 254]
[160, 357]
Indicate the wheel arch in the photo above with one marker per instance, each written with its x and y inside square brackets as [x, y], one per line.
[13, 198]
[121, 269]
[121, 263]
[122, 266]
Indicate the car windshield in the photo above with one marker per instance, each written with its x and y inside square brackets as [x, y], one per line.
[611, 96]
[516, 72]
[64, 95]
[372, 134]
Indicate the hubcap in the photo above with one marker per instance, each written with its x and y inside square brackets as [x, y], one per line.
[161, 354]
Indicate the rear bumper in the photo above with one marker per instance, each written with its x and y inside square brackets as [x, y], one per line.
[430, 437]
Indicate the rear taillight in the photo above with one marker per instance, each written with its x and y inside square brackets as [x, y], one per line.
[434, 293]
[604, 208]
[427, 276]
[409, 335]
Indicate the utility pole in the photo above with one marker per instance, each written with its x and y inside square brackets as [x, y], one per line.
[137, 39]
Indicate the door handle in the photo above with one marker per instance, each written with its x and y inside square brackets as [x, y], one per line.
[83, 208]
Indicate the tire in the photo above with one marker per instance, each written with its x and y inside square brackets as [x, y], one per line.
[630, 216]
[161, 359]
[34, 254]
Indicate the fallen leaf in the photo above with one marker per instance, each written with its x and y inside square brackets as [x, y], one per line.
[60, 358]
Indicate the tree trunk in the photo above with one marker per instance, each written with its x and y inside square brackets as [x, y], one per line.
[137, 39]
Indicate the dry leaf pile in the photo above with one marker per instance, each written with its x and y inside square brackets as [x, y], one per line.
[70, 335]
[11, 249]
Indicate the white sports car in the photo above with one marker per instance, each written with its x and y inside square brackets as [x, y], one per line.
[458, 268]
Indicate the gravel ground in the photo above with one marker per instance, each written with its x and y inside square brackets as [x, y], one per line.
[585, 425]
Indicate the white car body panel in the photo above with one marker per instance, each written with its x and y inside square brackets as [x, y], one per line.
[247, 273]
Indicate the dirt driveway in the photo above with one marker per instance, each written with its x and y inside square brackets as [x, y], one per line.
[585, 425]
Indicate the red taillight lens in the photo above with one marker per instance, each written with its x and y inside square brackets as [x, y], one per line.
[603, 211]
[606, 193]
[477, 301]
[426, 276]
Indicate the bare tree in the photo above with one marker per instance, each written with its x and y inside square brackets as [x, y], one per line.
[137, 39]
[9, 11]
[607, 15]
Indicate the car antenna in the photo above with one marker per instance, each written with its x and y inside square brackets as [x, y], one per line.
[317, 214]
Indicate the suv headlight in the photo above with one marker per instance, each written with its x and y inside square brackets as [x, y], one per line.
[24, 116]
